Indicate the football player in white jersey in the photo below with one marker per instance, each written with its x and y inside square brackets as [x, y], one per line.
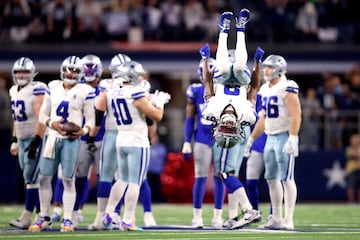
[26, 99]
[89, 149]
[130, 107]
[231, 107]
[108, 164]
[280, 118]
[67, 101]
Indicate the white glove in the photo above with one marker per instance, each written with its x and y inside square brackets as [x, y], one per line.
[160, 98]
[186, 148]
[14, 147]
[292, 145]
[248, 146]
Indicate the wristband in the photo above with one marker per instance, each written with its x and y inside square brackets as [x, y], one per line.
[292, 137]
[13, 139]
[189, 129]
[86, 130]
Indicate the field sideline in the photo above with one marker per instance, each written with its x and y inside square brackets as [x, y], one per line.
[312, 221]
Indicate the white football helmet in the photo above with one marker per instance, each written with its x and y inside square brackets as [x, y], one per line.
[117, 60]
[212, 64]
[27, 67]
[93, 68]
[278, 63]
[228, 129]
[130, 72]
[71, 70]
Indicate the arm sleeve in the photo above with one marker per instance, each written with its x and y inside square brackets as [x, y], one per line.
[45, 109]
[188, 129]
[89, 113]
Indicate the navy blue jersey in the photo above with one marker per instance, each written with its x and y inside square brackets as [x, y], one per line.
[203, 132]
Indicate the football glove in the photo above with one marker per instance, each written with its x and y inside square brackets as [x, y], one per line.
[292, 146]
[91, 147]
[259, 53]
[14, 144]
[248, 146]
[205, 51]
[186, 150]
[160, 98]
[33, 146]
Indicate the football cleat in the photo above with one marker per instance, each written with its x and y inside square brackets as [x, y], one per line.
[229, 222]
[197, 222]
[250, 216]
[116, 221]
[23, 222]
[217, 223]
[225, 20]
[244, 16]
[288, 225]
[272, 225]
[67, 226]
[149, 220]
[107, 221]
[129, 227]
[41, 224]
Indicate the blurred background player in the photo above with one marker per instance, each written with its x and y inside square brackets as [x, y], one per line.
[67, 101]
[229, 109]
[203, 152]
[352, 155]
[89, 148]
[26, 99]
[255, 161]
[130, 106]
[280, 118]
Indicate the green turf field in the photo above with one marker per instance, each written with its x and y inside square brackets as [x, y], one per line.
[312, 221]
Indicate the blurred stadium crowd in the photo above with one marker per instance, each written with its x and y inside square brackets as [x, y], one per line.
[176, 20]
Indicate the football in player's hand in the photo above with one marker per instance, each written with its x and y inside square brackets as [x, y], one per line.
[69, 128]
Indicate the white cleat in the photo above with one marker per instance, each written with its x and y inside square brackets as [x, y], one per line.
[250, 216]
[149, 220]
[272, 225]
[197, 223]
[217, 223]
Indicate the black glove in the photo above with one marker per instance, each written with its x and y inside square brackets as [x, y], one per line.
[32, 147]
[91, 147]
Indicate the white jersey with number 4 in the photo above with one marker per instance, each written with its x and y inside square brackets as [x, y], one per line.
[277, 118]
[71, 105]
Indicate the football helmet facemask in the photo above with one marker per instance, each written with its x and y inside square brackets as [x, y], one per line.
[228, 130]
[23, 71]
[71, 70]
[92, 67]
